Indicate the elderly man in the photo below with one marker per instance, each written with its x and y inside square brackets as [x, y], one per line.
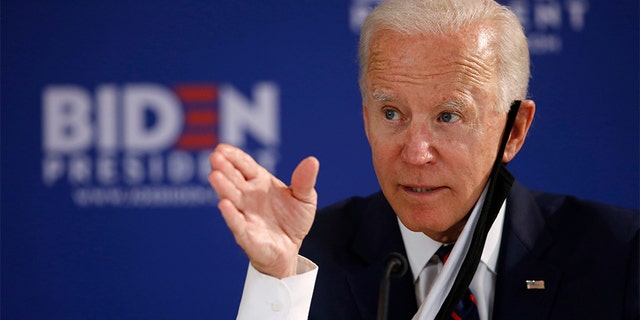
[438, 78]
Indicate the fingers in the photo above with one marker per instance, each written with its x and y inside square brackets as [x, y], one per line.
[238, 159]
[235, 219]
[224, 187]
[231, 168]
[304, 178]
[219, 163]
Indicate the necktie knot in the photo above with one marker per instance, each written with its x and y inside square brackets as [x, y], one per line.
[444, 251]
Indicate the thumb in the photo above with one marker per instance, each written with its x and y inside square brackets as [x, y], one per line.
[303, 180]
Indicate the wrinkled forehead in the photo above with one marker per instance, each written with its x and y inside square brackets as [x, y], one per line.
[466, 58]
[474, 41]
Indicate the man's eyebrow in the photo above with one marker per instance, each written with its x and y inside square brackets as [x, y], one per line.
[381, 96]
[454, 105]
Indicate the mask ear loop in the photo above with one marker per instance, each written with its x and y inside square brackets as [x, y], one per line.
[500, 182]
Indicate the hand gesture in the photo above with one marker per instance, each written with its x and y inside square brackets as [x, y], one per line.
[268, 219]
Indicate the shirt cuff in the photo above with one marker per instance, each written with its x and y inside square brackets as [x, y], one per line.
[266, 297]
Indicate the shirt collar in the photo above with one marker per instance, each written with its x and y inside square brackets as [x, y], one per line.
[421, 248]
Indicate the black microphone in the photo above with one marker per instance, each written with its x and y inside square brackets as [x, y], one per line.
[396, 266]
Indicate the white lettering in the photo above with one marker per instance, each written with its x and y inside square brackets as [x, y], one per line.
[359, 11]
[577, 10]
[79, 169]
[107, 169]
[53, 169]
[114, 148]
[141, 101]
[240, 116]
[107, 103]
[133, 170]
[548, 15]
[67, 119]
[180, 167]
[540, 43]
[156, 168]
[267, 158]
[204, 166]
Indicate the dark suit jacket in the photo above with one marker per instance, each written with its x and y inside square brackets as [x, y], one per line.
[586, 253]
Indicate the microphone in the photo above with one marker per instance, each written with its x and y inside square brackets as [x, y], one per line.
[396, 266]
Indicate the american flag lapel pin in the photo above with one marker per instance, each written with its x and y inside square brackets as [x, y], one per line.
[534, 284]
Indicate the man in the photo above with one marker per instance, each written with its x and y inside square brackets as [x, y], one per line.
[437, 80]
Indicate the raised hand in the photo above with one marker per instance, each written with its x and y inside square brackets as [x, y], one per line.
[268, 219]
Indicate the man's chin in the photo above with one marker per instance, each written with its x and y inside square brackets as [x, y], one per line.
[444, 231]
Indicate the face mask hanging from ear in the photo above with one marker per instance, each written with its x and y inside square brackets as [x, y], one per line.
[500, 182]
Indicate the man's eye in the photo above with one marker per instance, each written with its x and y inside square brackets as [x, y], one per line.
[448, 117]
[390, 114]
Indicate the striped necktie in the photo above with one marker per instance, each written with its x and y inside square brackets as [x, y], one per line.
[466, 308]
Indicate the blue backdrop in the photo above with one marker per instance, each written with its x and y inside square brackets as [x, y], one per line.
[109, 109]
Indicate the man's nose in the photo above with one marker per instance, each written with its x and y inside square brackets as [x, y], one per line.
[418, 147]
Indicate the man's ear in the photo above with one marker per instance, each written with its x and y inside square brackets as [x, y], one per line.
[520, 129]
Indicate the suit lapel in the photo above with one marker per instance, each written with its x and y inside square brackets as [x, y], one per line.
[378, 235]
[524, 242]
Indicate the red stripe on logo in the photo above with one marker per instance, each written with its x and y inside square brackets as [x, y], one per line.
[197, 141]
[201, 117]
[197, 93]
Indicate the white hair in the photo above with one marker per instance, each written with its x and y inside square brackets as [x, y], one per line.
[442, 17]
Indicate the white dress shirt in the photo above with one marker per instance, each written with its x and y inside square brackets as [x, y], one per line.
[421, 248]
[266, 297]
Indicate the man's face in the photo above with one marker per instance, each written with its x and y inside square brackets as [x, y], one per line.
[430, 119]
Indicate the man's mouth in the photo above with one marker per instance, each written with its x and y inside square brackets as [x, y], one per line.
[421, 189]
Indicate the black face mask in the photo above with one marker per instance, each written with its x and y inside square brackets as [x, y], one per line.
[500, 182]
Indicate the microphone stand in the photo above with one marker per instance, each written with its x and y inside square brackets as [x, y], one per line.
[395, 267]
